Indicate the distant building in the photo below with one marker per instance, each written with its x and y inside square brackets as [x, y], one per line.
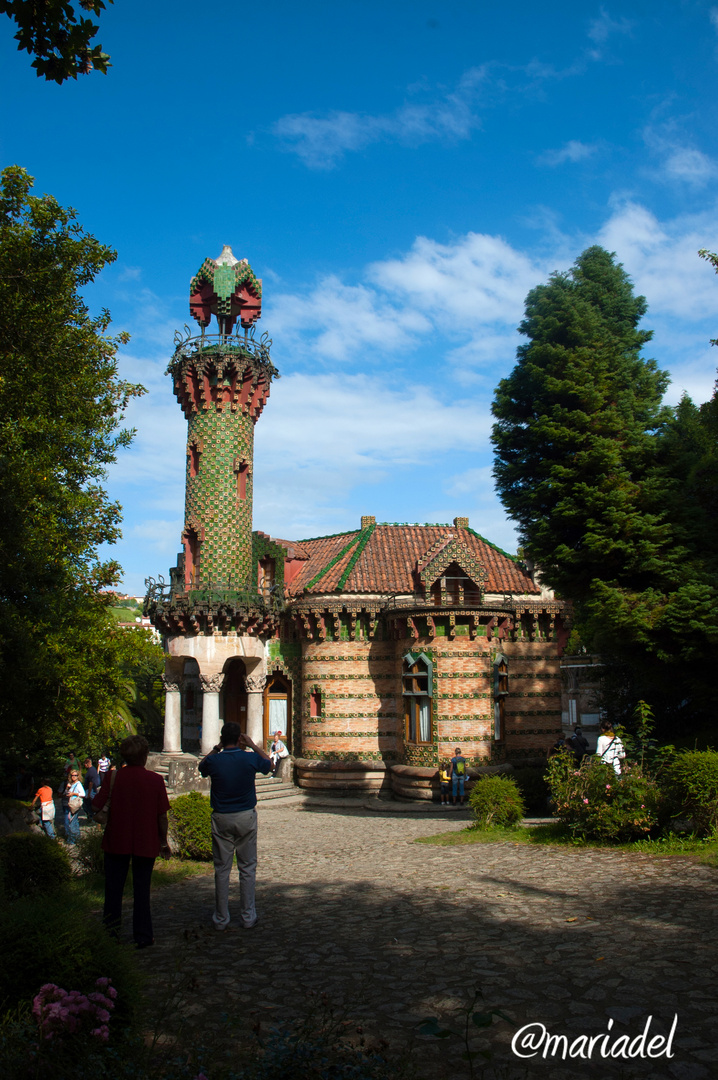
[390, 643]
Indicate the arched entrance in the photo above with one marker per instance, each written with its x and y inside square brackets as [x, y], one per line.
[234, 694]
[278, 708]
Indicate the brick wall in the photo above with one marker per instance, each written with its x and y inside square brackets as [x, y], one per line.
[362, 708]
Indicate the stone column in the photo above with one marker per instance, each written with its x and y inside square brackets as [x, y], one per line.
[211, 686]
[173, 717]
[255, 707]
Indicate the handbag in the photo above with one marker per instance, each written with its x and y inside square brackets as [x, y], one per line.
[101, 817]
[74, 804]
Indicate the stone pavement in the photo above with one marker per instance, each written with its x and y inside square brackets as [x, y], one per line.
[393, 931]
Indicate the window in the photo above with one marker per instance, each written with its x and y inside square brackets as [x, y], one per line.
[242, 473]
[194, 459]
[265, 578]
[454, 589]
[277, 708]
[315, 704]
[416, 686]
[191, 558]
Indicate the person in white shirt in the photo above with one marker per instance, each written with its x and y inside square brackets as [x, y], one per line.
[609, 747]
[277, 751]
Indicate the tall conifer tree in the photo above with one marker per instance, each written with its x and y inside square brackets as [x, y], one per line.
[574, 432]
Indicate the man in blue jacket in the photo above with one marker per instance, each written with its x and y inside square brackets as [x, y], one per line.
[232, 766]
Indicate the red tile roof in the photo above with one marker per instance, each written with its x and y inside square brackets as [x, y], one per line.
[384, 558]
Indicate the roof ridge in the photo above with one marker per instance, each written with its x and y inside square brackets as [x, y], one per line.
[329, 536]
[514, 558]
[363, 540]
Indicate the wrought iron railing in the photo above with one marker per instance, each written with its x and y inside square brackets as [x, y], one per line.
[193, 345]
[210, 594]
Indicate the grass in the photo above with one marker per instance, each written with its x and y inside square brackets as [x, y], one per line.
[556, 834]
[166, 872]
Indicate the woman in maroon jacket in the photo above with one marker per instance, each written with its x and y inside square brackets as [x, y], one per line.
[136, 831]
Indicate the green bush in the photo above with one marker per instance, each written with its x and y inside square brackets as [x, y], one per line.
[88, 850]
[59, 939]
[31, 863]
[596, 804]
[496, 800]
[690, 783]
[191, 826]
[531, 782]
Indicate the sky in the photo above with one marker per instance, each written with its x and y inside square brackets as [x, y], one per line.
[400, 175]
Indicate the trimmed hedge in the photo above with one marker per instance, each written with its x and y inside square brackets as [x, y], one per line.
[496, 800]
[31, 863]
[690, 786]
[191, 826]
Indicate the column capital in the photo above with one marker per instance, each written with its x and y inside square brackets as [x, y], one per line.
[211, 684]
[255, 683]
[170, 686]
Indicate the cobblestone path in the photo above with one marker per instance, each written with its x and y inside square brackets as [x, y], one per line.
[393, 931]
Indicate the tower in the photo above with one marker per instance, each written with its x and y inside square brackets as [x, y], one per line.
[214, 608]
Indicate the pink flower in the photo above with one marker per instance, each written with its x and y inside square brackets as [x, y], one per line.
[586, 801]
[103, 982]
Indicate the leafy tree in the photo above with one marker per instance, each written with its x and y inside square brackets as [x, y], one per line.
[142, 663]
[61, 406]
[58, 36]
[712, 258]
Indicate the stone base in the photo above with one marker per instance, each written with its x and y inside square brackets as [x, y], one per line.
[347, 776]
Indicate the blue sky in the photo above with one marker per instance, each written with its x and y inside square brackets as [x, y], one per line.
[400, 174]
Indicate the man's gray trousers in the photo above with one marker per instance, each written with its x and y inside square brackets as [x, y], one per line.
[234, 834]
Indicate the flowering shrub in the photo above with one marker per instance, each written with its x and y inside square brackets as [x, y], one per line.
[61, 1013]
[596, 804]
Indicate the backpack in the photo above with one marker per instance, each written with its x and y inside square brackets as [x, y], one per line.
[460, 767]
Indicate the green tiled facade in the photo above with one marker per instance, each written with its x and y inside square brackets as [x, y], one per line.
[222, 520]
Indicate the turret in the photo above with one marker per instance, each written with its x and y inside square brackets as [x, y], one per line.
[221, 382]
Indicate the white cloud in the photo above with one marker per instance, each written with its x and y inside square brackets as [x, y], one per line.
[376, 420]
[130, 273]
[604, 27]
[572, 151]
[322, 437]
[662, 259]
[693, 166]
[680, 162]
[335, 320]
[157, 533]
[320, 141]
[478, 279]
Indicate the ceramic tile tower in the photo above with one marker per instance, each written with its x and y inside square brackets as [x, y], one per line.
[213, 613]
[221, 384]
